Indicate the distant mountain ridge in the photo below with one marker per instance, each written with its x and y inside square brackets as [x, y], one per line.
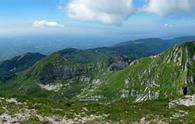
[127, 50]
[19, 63]
[140, 46]
[152, 46]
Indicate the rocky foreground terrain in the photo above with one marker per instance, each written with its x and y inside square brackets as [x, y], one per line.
[13, 111]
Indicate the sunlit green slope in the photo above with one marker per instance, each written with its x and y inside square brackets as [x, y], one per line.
[170, 74]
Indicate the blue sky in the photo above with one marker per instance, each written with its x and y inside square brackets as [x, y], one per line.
[122, 18]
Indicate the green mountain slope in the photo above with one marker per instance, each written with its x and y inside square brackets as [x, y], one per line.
[170, 74]
[62, 74]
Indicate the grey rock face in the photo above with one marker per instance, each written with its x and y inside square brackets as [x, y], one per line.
[63, 72]
[118, 63]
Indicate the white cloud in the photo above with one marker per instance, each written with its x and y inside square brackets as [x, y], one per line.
[167, 7]
[169, 25]
[117, 11]
[105, 11]
[45, 24]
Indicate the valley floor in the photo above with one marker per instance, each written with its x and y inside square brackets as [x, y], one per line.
[20, 110]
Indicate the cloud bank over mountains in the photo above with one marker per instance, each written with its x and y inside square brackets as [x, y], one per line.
[117, 11]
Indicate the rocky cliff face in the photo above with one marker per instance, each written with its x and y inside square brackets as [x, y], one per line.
[58, 68]
[53, 71]
[118, 62]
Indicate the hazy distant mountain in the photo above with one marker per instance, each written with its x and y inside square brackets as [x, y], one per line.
[19, 63]
[142, 47]
[145, 47]
[10, 47]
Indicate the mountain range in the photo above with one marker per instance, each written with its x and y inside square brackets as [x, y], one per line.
[109, 72]
[11, 47]
[130, 72]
